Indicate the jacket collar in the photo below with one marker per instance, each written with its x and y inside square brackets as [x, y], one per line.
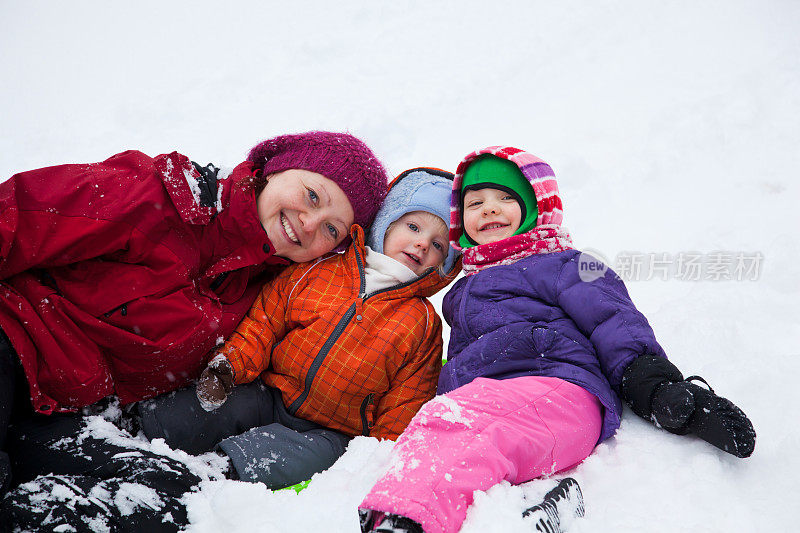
[238, 222]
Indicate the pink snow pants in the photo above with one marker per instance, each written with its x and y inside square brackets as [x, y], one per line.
[478, 435]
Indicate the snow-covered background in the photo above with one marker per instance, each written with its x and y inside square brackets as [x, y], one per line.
[672, 127]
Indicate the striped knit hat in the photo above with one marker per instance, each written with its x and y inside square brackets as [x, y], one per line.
[538, 173]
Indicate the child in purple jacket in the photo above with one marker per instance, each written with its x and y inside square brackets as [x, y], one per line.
[540, 352]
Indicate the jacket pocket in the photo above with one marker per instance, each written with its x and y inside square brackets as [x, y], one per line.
[367, 414]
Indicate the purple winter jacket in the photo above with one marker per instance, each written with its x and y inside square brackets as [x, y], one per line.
[536, 317]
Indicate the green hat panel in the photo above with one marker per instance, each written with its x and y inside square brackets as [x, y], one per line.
[488, 170]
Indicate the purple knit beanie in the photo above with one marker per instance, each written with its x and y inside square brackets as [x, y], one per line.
[339, 157]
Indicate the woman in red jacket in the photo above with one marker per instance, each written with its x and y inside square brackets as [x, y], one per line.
[119, 277]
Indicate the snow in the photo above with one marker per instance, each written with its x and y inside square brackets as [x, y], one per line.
[133, 495]
[450, 411]
[672, 127]
[191, 180]
[328, 504]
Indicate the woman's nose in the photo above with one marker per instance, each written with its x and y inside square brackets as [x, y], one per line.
[310, 220]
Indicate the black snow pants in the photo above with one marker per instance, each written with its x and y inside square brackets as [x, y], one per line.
[101, 484]
[13, 399]
[264, 442]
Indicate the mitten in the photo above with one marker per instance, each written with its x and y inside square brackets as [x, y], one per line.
[215, 383]
[656, 390]
[714, 419]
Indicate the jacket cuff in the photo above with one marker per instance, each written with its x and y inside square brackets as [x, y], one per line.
[641, 379]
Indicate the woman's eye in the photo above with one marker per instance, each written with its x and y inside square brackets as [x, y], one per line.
[313, 196]
[333, 231]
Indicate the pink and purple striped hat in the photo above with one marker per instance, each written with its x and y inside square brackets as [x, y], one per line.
[539, 174]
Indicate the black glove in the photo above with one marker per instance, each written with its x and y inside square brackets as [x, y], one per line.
[655, 390]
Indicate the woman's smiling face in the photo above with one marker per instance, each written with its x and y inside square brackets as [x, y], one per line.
[490, 215]
[304, 214]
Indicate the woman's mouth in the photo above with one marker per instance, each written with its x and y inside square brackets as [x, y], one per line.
[290, 234]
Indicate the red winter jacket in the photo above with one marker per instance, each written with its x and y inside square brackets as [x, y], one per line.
[119, 277]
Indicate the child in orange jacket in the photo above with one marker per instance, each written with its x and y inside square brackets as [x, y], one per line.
[345, 345]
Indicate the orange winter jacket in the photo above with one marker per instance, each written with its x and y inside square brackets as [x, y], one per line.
[359, 364]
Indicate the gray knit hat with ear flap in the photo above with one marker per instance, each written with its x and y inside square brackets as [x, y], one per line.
[418, 189]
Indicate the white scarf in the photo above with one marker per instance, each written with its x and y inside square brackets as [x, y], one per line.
[382, 272]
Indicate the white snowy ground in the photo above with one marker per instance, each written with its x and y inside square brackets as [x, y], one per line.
[672, 127]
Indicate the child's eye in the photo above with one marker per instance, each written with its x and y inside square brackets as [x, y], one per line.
[313, 196]
[508, 197]
[474, 203]
[438, 246]
[413, 227]
[333, 231]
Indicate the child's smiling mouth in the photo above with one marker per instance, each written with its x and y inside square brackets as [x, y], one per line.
[412, 257]
[492, 226]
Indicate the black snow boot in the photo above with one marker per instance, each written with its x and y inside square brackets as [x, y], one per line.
[378, 522]
[655, 390]
[558, 509]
